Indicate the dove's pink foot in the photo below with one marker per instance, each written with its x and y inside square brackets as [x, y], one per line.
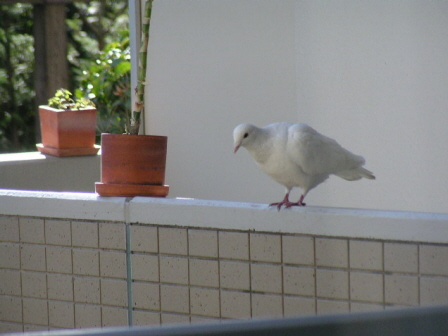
[287, 203]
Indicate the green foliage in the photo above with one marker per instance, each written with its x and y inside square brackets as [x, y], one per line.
[106, 81]
[91, 25]
[62, 100]
[17, 115]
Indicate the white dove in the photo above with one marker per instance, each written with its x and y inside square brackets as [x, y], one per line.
[296, 155]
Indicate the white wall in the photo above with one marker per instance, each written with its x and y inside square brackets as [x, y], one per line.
[372, 74]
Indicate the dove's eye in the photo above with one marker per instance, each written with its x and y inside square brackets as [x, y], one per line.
[245, 135]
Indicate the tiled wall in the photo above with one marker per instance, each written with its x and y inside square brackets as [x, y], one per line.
[74, 274]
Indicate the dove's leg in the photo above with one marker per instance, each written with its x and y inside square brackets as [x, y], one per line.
[299, 202]
[283, 202]
[287, 203]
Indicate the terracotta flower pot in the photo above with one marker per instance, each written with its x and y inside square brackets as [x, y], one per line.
[67, 132]
[132, 165]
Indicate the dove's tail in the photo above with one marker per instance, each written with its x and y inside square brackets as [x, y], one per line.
[355, 174]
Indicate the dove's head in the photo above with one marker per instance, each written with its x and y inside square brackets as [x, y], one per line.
[242, 135]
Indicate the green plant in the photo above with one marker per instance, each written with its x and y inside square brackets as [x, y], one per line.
[106, 81]
[62, 100]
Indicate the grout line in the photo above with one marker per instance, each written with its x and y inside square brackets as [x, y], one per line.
[419, 276]
[21, 274]
[282, 274]
[349, 272]
[128, 262]
[219, 276]
[383, 263]
[45, 245]
[188, 274]
[71, 274]
[315, 276]
[250, 276]
[159, 274]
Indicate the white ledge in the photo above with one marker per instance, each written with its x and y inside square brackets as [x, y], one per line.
[318, 221]
[86, 206]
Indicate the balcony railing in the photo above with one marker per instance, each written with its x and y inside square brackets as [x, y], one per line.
[76, 260]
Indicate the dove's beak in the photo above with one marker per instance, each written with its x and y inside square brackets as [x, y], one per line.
[235, 149]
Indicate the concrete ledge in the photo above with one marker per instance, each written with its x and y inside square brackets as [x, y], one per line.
[86, 206]
[326, 222]
[35, 171]
[333, 222]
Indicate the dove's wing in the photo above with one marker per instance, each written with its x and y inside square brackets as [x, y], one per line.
[317, 154]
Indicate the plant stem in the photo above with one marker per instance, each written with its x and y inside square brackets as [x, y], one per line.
[140, 89]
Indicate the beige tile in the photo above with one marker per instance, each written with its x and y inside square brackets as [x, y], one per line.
[233, 245]
[266, 278]
[59, 259]
[235, 305]
[113, 264]
[173, 241]
[299, 306]
[114, 292]
[10, 255]
[32, 257]
[395, 306]
[142, 318]
[32, 230]
[204, 319]
[11, 308]
[366, 287]
[114, 317]
[86, 262]
[35, 311]
[34, 284]
[61, 314]
[332, 307]
[145, 267]
[146, 295]
[174, 270]
[9, 229]
[87, 316]
[365, 307]
[401, 289]
[205, 302]
[366, 255]
[10, 282]
[175, 299]
[170, 318]
[434, 260]
[204, 273]
[203, 243]
[332, 284]
[87, 290]
[234, 275]
[144, 239]
[299, 281]
[298, 250]
[32, 327]
[10, 327]
[267, 305]
[112, 236]
[400, 257]
[58, 232]
[85, 234]
[434, 290]
[265, 247]
[332, 252]
[60, 287]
